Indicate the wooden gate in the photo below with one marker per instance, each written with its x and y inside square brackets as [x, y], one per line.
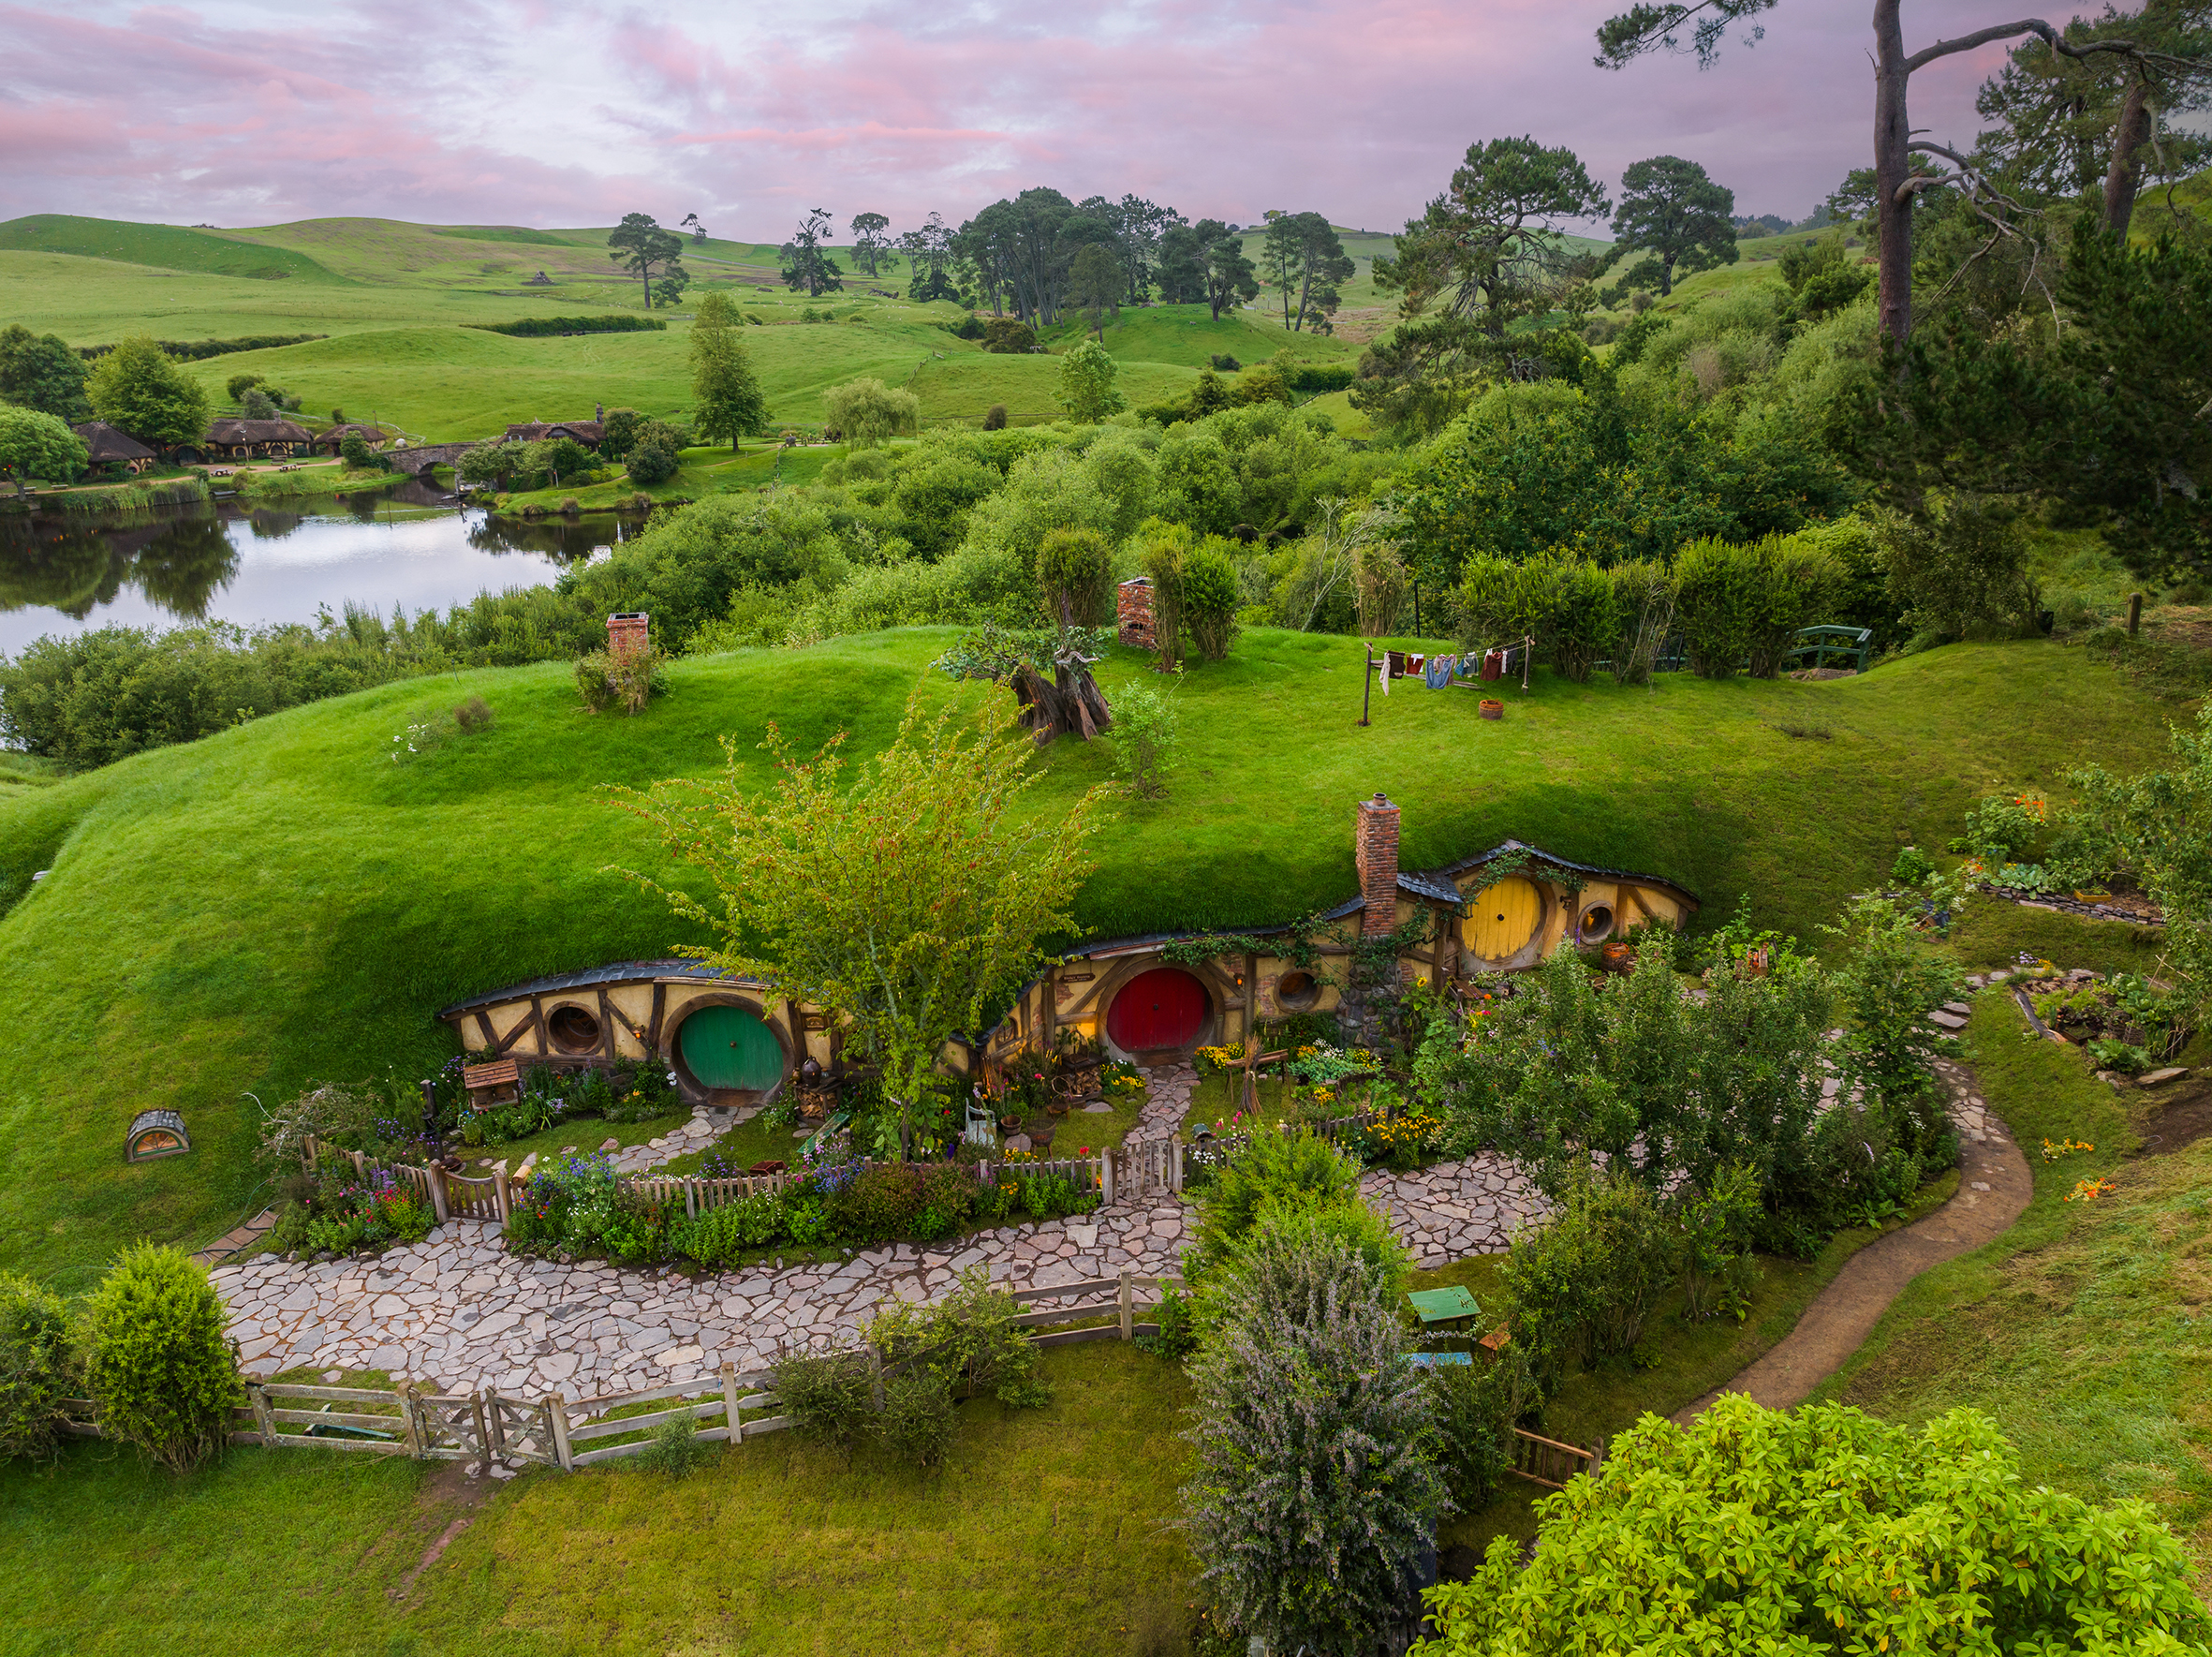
[1148, 1171]
[521, 1430]
[450, 1427]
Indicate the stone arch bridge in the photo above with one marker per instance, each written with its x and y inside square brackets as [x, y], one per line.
[417, 460]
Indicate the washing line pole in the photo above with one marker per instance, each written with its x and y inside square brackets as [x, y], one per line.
[1367, 685]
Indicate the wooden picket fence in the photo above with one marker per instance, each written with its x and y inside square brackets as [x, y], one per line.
[455, 1196]
[550, 1430]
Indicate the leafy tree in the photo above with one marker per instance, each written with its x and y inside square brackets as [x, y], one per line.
[929, 256]
[805, 261]
[1087, 390]
[354, 449]
[729, 400]
[667, 287]
[236, 387]
[1829, 1532]
[907, 904]
[618, 431]
[37, 445]
[1315, 1492]
[156, 1360]
[257, 405]
[1210, 598]
[35, 1367]
[650, 464]
[1094, 284]
[868, 239]
[868, 412]
[43, 373]
[1006, 335]
[1306, 261]
[1075, 576]
[137, 389]
[641, 248]
[1898, 182]
[1229, 274]
[1668, 206]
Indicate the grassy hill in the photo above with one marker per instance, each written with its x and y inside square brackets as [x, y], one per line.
[283, 902]
[171, 247]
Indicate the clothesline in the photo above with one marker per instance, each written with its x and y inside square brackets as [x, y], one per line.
[1438, 670]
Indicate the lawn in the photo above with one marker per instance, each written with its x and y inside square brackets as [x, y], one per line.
[1042, 1538]
[226, 919]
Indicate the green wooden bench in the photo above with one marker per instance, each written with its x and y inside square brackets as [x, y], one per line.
[1443, 1305]
[1848, 643]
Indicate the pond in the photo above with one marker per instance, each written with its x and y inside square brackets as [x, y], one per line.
[225, 561]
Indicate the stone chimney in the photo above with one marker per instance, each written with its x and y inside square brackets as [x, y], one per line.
[626, 635]
[1133, 612]
[1374, 849]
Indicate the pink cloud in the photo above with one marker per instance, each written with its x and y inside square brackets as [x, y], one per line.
[513, 111]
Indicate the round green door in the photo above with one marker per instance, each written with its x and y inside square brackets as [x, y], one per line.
[728, 1047]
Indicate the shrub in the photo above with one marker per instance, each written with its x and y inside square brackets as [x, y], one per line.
[1075, 573]
[1163, 549]
[35, 1358]
[628, 681]
[869, 412]
[722, 1235]
[257, 405]
[878, 1204]
[1716, 1226]
[1586, 620]
[155, 1360]
[827, 1396]
[918, 1423]
[1277, 1170]
[1315, 1492]
[676, 1449]
[1890, 1531]
[1961, 572]
[473, 716]
[1740, 605]
[1210, 598]
[650, 464]
[1008, 334]
[995, 417]
[1642, 615]
[1585, 1284]
[236, 387]
[1476, 1406]
[1145, 735]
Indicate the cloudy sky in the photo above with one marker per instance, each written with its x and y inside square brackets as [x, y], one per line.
[519, 111]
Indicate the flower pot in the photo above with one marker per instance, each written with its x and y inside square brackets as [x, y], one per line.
[1057, 1108]
[1492, 708]
[1617, 956]
[1009, 1124]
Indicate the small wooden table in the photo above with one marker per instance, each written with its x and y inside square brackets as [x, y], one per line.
[1444, 1306]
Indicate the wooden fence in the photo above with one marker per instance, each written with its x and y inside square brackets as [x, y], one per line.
[454, 1196]
[489, 1425]
[1550, 1463]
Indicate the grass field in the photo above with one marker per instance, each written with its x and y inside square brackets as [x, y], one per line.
[281, 902]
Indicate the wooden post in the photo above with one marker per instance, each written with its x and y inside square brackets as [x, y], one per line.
[1175, 1167]
[435, 1177]
[2134, 612]
[1128, 1306]
[556, 1414]
[737, 1421]
[499, 1188]
[264, 1417]
[1105, 1177]
[483, 1437]
[407, 1409]
[690, 1196]
[1368, 690]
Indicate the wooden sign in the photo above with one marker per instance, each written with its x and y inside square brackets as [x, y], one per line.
[816, 1021]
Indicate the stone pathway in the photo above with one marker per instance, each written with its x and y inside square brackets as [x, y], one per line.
[1454, 1209]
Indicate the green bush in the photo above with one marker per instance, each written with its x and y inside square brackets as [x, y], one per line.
[970, 1339]
[157, 1361]
[1838, 1531]
[676, 1449]
[1210, 598]
[1075, 573]
[878, 1204]
[650, 464]
[918, 1423]
[1476, 1406]
[827, 1397]
[1740, 605]
[723, 1234]
[1585, 1284]
[35, 1367]
[1642, 615]
[1586, 620]
[1272, 1171]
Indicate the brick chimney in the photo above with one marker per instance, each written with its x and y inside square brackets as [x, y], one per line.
[1374, 849]
[627, 633]
[1133, 612]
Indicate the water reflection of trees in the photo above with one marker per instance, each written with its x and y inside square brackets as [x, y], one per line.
[179, 563]
[568, 540]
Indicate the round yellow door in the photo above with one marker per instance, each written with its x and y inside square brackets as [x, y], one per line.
[1501, 919]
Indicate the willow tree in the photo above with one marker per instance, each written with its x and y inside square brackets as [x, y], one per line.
[908, 901]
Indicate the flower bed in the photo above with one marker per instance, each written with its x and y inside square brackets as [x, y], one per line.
[580, 1207]
[547, 1096]
[335, 1211]
[2123, 1023]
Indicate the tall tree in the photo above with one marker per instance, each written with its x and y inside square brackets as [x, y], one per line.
[1661, 26]
[640, 246]
[140, 391]
[43, 373]
[1094, 284]
[1672, 209]
[33, 444]
[1304, 258]
[868, 239]
[806, 261]
[691, 223]
[906, 904]
[929, 252]
[729, 400]
[1229, 274]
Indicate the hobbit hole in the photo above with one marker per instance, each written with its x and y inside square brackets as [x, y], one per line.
[1160, 1009]
[728, 1049]
[1503, 919]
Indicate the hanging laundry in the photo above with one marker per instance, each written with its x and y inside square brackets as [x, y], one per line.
[1384, 665]
[1437, 674]
[1493, 664]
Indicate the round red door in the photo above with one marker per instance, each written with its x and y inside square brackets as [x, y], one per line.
[1162, 1008]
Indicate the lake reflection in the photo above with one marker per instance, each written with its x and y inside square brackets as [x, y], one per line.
[222, 561]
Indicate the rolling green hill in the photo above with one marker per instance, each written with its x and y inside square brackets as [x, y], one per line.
[283, 902]
[171, 247]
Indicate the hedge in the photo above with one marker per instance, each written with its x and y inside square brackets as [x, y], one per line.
[546, 327]
[192, 350]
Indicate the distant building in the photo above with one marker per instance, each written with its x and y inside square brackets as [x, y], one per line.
[252, 439]
[331, 442]
[109, 448]
[539, 280]
[586, 432]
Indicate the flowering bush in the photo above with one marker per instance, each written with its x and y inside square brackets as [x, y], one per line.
[339, 1212]
[1405, 1142]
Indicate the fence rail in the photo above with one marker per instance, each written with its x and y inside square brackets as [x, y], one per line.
[489, 1425]
[1550, 1463]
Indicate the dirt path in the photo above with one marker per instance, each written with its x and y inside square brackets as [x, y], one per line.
[1994, 1186]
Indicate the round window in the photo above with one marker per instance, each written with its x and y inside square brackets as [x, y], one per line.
[1596, 924]
[573, 1030]
[1296, 991]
